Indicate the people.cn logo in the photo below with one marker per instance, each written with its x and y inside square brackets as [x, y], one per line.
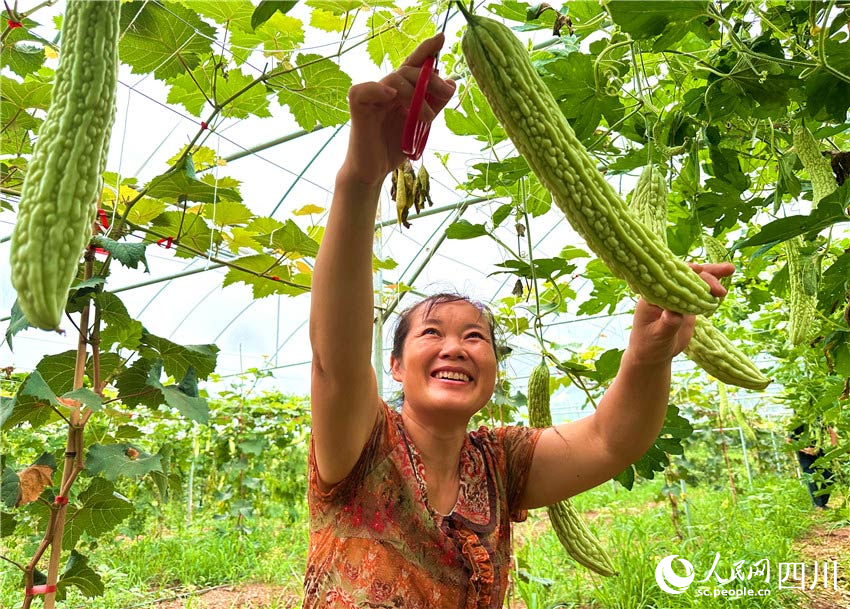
[668, 580]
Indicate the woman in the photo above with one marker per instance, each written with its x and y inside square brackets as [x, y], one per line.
[409, 510]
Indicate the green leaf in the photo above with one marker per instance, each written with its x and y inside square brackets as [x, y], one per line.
[80, 575]
[831, 210]
[159, 40]
[190, 406]
[128, 254]
[650, 17]
[17, 322]
[266, 8]
[120, 329]
[32, 93]
[180, 183]
[402, 36]
[227, 213]
[33, 403]
[572, 81]
[463, 229]
[544, 268]
[250, 102]
[253, 446]
[316, 92]
[178, 360]
[279, 37]
[96, 510]
[139, 384]
[188, 230]
[7, 524]
[291, 239]
[87, 397]
[626, 477]
[835, 283]
[21, 51]
[478, 120]
[265, 285]
[326, 21]
[116, 460]
[607, 292]
[10, 487]
[58, 371]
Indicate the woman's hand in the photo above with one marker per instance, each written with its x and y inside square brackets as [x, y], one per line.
[657, 334]
[378, 113]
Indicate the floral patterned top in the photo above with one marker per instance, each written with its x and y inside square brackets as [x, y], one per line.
[376, 542]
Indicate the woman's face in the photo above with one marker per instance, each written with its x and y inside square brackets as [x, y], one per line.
[448, 362]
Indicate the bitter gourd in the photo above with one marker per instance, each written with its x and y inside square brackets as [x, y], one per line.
[530, 115]
[649, 199]
[579, 542]
[709, 348]
[63, 181]
[713, 352]
[803, 270]
[716, 252]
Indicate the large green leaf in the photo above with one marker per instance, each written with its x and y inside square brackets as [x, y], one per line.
[33, 403]
[21, 51]
[140, 385]
[830, 211]
[650, 17]
[79, 574]
[193, 90]
[128, 254]
[476, 119]
[162, 39]
[270, 278]
[96, 510]
[180, 183]
[179, 359]
[402, 35]
[116, 460]
[316, 93]
[120, 329]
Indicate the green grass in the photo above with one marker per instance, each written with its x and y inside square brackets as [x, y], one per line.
[638, 531]
[635, 526]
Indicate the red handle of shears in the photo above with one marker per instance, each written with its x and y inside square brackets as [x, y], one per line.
[416, 131]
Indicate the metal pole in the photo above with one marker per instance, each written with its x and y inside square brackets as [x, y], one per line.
[746, 460]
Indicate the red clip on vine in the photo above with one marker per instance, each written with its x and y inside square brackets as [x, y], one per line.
[167, 241]
[43, 589]
[60, 500]
[14, 24]
[204, 126]
[104, 219]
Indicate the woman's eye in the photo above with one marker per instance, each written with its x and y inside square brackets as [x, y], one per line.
[429, 331]
[475, 335]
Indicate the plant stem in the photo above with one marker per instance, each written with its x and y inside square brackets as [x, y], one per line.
[74, 447]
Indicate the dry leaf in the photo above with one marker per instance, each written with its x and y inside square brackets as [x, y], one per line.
[34, 480]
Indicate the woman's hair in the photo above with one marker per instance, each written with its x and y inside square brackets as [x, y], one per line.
[402, 328]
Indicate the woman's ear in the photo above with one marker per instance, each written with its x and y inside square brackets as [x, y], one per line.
[395, 369]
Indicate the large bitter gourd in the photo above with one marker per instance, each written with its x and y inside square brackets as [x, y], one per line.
[530, 115]
[63, 180]
[802, 269]
[579, 542]
[709, 348]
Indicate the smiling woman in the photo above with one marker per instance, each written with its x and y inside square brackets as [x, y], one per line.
[410, 509]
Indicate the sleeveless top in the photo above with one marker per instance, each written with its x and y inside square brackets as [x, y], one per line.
[376, 542]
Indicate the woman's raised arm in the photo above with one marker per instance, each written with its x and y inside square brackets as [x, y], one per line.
[344, 396]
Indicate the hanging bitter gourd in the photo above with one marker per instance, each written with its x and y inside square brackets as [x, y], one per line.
[709, 348]
[63, 180]
[570, 528]
[716, 252]
[803, 271]
[531, 117]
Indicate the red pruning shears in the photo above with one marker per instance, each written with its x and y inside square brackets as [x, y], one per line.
[415, 133]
